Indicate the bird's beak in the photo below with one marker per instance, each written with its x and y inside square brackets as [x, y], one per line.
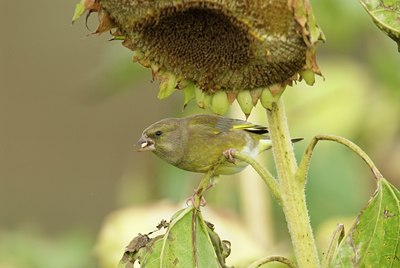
[145, 144]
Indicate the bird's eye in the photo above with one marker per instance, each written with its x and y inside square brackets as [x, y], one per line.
[158, 133]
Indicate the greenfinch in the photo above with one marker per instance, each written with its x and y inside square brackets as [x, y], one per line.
[197, 143]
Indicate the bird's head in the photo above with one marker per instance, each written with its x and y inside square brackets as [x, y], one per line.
[163, 138]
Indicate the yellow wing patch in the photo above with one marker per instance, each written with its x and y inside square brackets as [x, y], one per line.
[252, 128]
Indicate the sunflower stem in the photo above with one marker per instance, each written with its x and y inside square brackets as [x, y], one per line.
[292, 191]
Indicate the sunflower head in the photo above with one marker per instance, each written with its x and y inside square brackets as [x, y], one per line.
[217, 50]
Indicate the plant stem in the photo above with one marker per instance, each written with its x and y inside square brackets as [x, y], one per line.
[292, 191]
[266, 176]
[305, 160]
[266, 260]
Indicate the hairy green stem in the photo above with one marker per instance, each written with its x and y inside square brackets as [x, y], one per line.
[269, 259]
[292, 191]
[305, 160]
[267, 177]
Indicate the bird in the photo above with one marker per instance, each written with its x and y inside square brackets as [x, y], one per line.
[197, 143]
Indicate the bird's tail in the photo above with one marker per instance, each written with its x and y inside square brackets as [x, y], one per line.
[297, 139]
[266, 144]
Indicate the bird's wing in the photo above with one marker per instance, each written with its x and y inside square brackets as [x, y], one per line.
[257, 129]
[218, 124]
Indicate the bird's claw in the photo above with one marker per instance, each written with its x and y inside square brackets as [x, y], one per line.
[229, 154]
[192, 200]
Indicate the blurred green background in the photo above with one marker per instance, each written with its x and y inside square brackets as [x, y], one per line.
[72, 106]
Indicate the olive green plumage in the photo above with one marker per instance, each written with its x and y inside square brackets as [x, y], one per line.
[197, 143]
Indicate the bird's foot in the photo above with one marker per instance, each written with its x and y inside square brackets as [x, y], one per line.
[196, 200]
[229, 154]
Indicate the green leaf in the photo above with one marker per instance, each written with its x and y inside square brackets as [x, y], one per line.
[79, 10]
[152, 255]
[386, 15]
[187, 243]
[373, 241]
